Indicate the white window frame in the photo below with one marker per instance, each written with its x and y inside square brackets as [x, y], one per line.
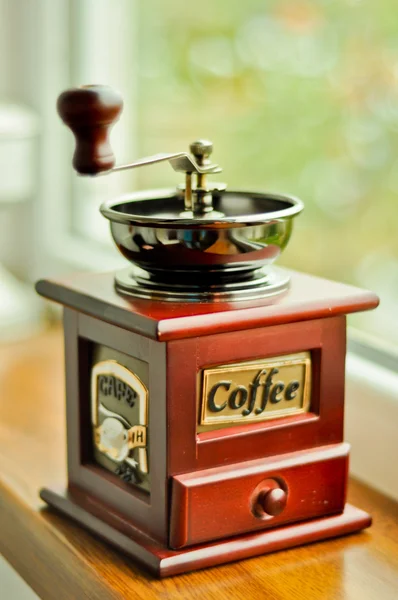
[371, 413]
[64, 23]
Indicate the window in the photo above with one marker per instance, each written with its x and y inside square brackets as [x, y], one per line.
[297, 96]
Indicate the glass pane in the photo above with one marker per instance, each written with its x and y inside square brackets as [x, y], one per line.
[298, 97]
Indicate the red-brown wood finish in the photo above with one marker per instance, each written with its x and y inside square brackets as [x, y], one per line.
[326, 338]
[164, 562]
[308, 298]
[211, 485]
[220, 502]
[149, 512]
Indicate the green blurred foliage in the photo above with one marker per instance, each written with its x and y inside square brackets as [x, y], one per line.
[298, 96]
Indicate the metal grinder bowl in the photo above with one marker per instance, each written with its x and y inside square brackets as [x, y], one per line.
[225, 254]
[198, 242]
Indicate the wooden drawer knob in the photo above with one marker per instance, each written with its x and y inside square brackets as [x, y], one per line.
[269, 498]
[273, 501]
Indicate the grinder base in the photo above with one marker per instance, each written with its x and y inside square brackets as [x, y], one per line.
[164, 562]
[262, 283]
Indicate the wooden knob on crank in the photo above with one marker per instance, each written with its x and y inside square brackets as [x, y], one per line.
[90, 111]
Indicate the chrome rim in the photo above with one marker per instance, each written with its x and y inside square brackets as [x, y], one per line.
[108, 210]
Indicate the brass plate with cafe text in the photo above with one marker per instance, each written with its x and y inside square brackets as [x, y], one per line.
[255, 391]
[119, 415]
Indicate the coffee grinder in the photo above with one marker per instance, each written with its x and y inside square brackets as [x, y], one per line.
[204, 385]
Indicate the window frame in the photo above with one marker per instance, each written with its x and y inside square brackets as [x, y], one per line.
[60, 247]
[371, 412]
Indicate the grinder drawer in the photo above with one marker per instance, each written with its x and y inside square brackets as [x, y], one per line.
[226, 501]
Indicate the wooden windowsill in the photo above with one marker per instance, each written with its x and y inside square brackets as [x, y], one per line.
[60, 560]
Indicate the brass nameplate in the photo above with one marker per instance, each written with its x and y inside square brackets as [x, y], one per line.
[255, 391]
[119, 415]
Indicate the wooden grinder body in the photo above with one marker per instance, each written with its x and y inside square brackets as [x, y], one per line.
[215, 494]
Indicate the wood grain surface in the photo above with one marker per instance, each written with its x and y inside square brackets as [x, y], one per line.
[218, 503]
[309, 298]
[60, 560]
[325, 338]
